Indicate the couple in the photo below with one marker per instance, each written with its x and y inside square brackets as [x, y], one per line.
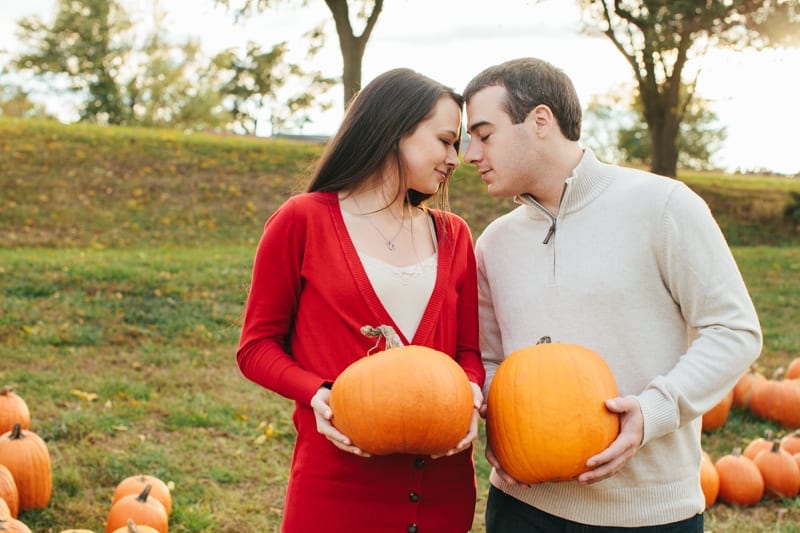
[629, 264]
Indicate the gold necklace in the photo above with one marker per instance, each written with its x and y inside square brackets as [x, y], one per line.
[389, 243]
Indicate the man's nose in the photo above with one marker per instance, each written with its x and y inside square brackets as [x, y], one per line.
[472, 155]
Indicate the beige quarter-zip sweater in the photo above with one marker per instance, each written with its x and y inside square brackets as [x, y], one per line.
[634, 267]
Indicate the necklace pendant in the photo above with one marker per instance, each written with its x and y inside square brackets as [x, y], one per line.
[390, 245]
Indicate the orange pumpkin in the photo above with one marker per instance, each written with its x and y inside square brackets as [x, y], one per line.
[140, 508]
[779, 401]
[756, 445]
[25, 455]
[709, 480]
[797, 459]
[135, 484]
[405, 399]
[13, 410]
[740, 480]
[8, 490]
[793, 370]
[780, 472]
[546, 413]
[743, 390]
[12, 525]
[716, 417]
[791, 442]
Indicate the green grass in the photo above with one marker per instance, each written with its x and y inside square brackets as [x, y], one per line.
[124, 262]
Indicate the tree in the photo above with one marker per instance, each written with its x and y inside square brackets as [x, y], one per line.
[15, 102]
[174, 85]
[615, 129]
[351, 45]
[158, 84]
[259, 79]
[659, 37]
[87, 44]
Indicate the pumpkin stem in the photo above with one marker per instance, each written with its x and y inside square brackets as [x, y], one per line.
[387, 332]
[132, 527]
[544, 340]
[16, 432]
[145, 493]
[776, 446]
[6, 390]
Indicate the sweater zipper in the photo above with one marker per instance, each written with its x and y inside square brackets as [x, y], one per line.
[551, 231]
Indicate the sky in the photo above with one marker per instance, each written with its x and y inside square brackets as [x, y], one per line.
[753, 94]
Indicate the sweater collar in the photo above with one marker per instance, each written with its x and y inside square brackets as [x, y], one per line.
[588, 179]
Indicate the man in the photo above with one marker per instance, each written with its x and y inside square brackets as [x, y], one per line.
[627, 263]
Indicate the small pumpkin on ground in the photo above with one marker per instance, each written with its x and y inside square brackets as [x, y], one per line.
[716, 417]
[758, 444]
[780, 472]
[791, 442]
[743, 390]
[546, 412]
[778, 400]
[709, 479]
[405, 399]
[25, 455]
[13, 410]
[135, 484]
[8, 490]
[740, 480]
[141, 508]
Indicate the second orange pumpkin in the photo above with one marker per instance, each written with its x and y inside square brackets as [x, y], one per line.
[546, 412]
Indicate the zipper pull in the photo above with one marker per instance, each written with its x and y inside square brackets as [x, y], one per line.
[550, 232]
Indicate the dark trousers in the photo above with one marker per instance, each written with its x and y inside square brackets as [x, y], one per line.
[506, 514]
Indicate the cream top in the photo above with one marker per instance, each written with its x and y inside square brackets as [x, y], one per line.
[403, 291]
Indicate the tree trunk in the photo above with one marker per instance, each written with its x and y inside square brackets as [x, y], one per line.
[664, 143]
[352, 55]
[352, 46]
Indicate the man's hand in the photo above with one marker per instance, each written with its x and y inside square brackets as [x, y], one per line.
[611, 460]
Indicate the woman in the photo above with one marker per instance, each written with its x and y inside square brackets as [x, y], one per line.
[359, 248]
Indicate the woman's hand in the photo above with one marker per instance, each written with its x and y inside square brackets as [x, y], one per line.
[320, 402]
[472, 432]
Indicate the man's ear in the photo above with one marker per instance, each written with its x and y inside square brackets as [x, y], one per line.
[541, 118]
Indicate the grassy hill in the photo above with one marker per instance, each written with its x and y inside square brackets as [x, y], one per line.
[89, 186]
[124, 261]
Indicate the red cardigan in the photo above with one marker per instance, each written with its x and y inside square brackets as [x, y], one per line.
[308, 300]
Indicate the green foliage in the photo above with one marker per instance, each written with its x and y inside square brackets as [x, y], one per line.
[86, 43]
[255, 84]
[161, 84]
